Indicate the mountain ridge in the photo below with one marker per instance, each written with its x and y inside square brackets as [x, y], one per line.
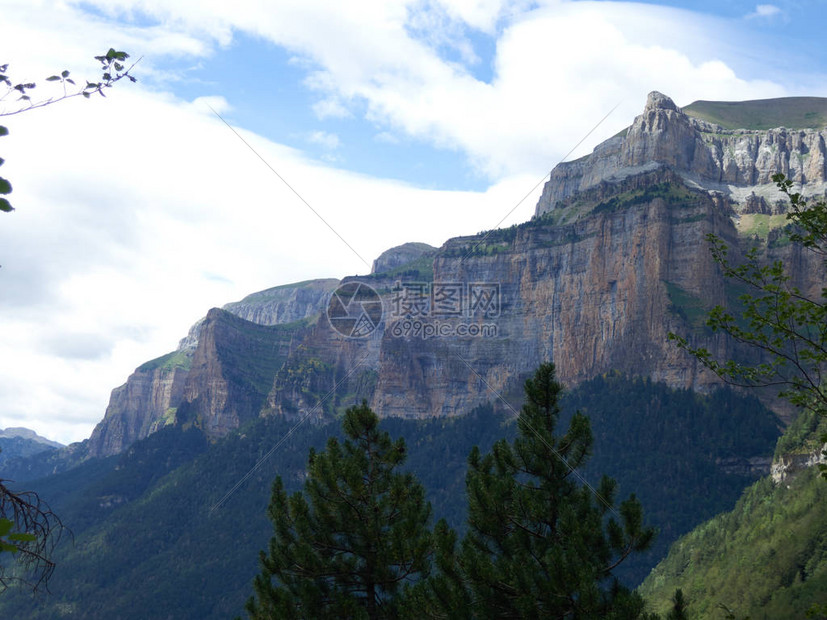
[613, 260]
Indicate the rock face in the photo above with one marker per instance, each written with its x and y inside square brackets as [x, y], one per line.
[232, 371]
[151, 396]
[788, 465]
[615, 259]
[141, 406]
[597, 295]
[274, 306]
[738, 163]
[401, 255]
[284, 304]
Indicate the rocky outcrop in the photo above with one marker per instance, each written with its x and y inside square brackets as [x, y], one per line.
[146, 402]
[788, 465]
[752, 467]
[274, 306]
[738, 163]
[151, 396]
[401, 255]
[284, 304]
[232, 371]
[596, 295]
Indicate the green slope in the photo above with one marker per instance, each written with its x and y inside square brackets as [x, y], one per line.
[767, 558]
[789, 112]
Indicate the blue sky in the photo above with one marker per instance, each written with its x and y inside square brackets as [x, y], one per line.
[268, 87]
[397, 120]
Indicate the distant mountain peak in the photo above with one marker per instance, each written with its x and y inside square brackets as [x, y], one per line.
[27, 433]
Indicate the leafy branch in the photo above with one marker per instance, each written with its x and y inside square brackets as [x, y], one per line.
[788, 327]
[112, 68]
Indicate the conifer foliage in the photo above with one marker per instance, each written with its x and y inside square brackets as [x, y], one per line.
[540, 543]
[347, 544]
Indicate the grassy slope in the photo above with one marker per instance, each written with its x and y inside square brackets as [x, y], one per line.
[790, 112]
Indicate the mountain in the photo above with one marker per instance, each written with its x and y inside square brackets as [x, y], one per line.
[28, 435]
[151, 396]
[761, 114]
[613, 260]
[19, 442]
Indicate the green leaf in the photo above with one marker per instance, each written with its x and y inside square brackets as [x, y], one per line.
[5, 205]
[5, 186]
[22, 537]
[64, 73]
[70, 81]
[5, 526]
[53, 78]
[3, 131]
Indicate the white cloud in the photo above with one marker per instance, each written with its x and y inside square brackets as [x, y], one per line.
[330, 108]
[386, 137]
[329, 141]
[765, 11]
[563, 60]
[214, 103]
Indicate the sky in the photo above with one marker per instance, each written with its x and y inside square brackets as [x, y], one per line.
[391, 120]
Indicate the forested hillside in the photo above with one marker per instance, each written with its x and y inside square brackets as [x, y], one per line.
[150, 516]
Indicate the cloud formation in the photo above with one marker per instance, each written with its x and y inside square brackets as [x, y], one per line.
[765, 11]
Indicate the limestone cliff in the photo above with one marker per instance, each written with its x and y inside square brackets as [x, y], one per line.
[614, 260]
[232, 371]
[274, 306]
[595, 295]
[143, 404]
[152, 394]
[736, 162]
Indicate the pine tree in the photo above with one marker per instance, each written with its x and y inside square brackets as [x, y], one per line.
[679, 605]
[540, 542]
[346, 545]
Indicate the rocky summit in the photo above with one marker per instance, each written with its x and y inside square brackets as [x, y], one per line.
[736, 163]
[614, 259]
